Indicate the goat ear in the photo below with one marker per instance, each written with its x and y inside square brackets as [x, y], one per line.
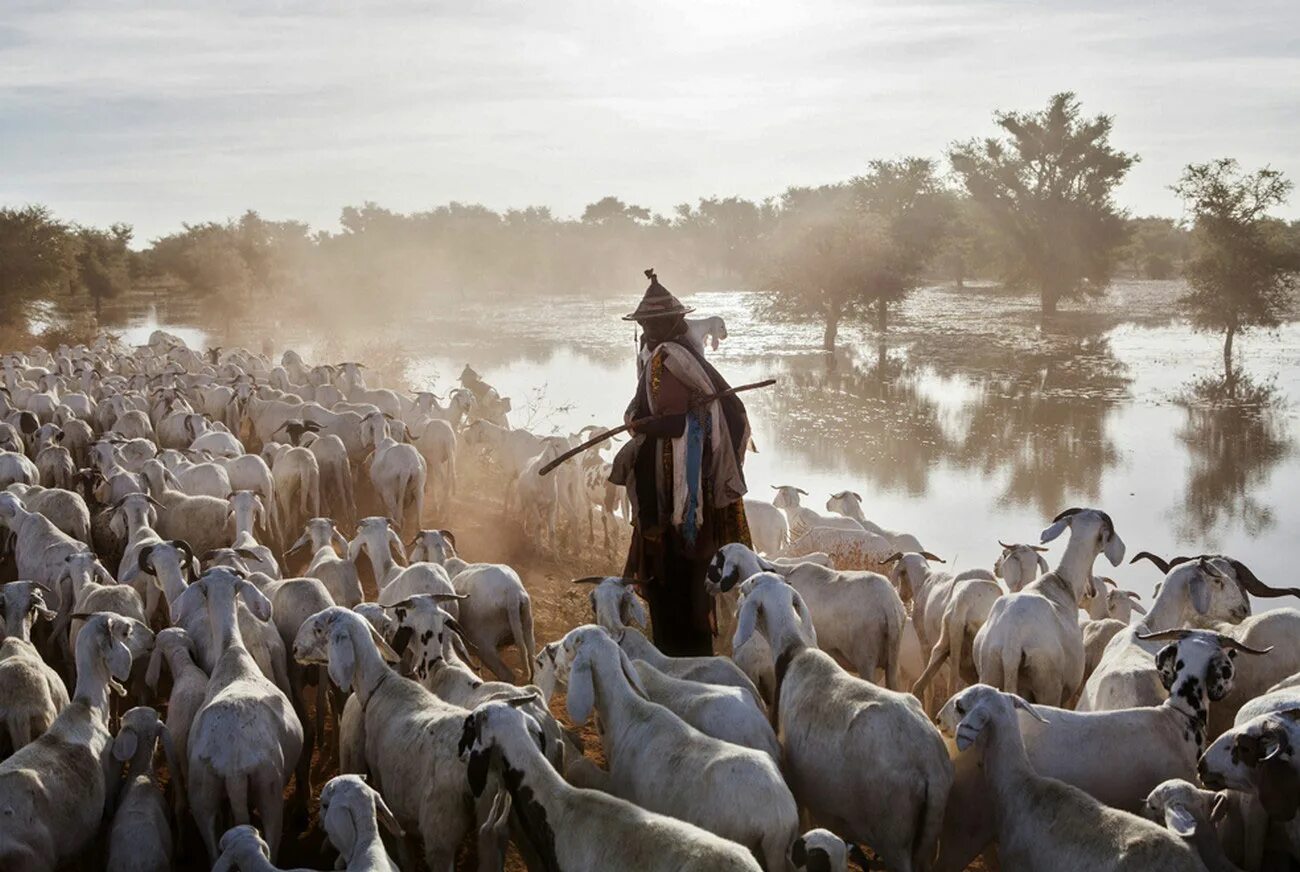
[1199, 589]
[636, 610]
[765, 564]
[1023, 704]
[256, 601]
[152, 674]
[1180, 821]
[1114, 549]
[1042, 564]
[581, 696]
[124, 745]
[633, 677]
[805, 617]
[746, 622]
[385, 650]
[342, 658]
[387, 819]
[1055, 530]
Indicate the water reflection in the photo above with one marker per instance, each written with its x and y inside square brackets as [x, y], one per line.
[1235, 436]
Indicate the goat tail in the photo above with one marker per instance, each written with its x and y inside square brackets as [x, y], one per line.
[20, 729]
[929, 827]
[1011, 657]
[521, 627]
[237, 793]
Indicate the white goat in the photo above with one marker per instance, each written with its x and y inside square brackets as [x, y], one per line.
[140, 837]
[246, 738]
[55, 786]
[864, 761]
[31, 693]
[1032, 638]
[849, 504]
[582, 829]
[665, 765]
[1043, 823]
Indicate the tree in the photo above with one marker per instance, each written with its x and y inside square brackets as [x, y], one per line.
[1242, 272]
[103, 262]
[1157, 247]
[35, 254]
[1046, 189]
[844, 250]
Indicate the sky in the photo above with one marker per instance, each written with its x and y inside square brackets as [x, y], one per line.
[162, 113]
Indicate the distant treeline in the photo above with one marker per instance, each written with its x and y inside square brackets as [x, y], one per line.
[1033, 210]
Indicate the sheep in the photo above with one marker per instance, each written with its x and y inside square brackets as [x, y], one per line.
[201, 521]
[860, 614]
[864, 761]
[55, 787]
[296, 476]
[377, 538]
[712, 328]
[823, 851]
[336, 490]
[498, 610]
[65, 509]
[410, 736]
[849, 504]
[1160, 742]
[1257, 758]
[189, 688]
[247, 508]
[1205, 591]
[614, 604]
[538, 496]
[31, 693]
[1191, 814]
[967, 611]
[56, 467]
[423, 632]
[338, 574]
[39, 548]
[803, 519]
[667, 766]
[767, 527]
[575, 828]
[849, 549]
[1043, 823]
[1036, 632]
[140, 836]
[351, 813]
[246, 736]
[397, 471]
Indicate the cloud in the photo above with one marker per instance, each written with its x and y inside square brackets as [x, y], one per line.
[158, 114]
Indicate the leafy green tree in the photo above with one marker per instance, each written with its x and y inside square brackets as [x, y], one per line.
[35, 257]
[1046, 188]
[103, 263]
[1242, 272]
[1157, 247]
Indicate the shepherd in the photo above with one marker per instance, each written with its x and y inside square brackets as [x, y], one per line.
[684, 474]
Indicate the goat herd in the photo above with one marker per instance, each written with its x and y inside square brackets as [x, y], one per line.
[154, 499]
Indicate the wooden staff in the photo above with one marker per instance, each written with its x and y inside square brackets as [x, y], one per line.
[609, 434]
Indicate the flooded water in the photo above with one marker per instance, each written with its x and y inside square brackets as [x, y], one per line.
[966, 426]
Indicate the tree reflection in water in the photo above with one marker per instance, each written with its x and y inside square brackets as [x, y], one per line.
[1235, 435]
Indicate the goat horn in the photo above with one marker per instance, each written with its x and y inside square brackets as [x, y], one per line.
[1109, 581]
[1160, 562]
[590, 579]
[1165, 635]
[444, 597]
[1229, 642]
[517, 701]
[896, 556]
[1255, 587]
[928, 556]
[1067, 513]
[1005, 546]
